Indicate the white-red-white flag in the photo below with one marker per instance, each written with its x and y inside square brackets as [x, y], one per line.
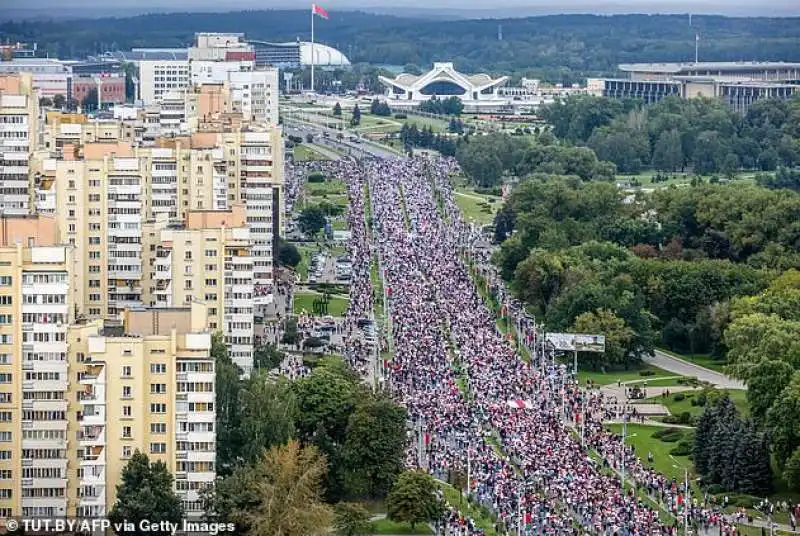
[317, 9]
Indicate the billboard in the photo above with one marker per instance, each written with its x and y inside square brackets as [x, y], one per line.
[577, 342]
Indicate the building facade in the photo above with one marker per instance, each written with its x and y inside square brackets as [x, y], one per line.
[19, 118]
[159, 77]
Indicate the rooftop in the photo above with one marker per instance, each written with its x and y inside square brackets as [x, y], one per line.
[675, 68]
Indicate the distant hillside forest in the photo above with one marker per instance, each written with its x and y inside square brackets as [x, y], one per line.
[558, 48]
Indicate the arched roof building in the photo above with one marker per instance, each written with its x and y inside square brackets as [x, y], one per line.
[443, 81]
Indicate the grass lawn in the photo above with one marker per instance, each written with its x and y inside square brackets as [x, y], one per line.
[737, 396]
[641, 437]
[305, 302]
[474, 207]
[339, 225]
[645, 178]
[386, 526]
[329, 187]
[304, 153]
[703, 360]
[613, 375]
[306, 251]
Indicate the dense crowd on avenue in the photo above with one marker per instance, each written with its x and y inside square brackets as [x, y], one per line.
[517, 431]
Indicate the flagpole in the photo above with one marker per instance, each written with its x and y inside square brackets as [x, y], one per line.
[312, 48]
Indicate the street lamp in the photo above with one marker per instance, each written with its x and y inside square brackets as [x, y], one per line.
[624, 434]
[685, 492]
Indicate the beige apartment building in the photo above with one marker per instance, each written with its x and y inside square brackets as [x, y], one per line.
[19, 118]
[36, 308]
[144, 384]
[207, 259]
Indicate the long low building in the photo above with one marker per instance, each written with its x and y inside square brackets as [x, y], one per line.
[737, 84]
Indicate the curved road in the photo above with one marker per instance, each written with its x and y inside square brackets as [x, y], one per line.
[685, 368]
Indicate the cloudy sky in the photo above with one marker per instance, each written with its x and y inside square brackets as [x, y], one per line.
[467, 8]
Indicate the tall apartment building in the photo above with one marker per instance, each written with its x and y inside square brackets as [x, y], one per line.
[159, 77]
[207, 259]
[100, 196]
[36, 308]
[19, 114]
[147, 385]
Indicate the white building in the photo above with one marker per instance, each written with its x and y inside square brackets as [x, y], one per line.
[158, 77]
[254, 91]
[18, 130]
[50, 77]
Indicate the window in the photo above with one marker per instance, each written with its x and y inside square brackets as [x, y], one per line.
[126, 391]
[6, 319]
[126, 411]
[158, 368]
[211, 282]
[6, 300]
[5, 436]
[158, 388]
[158, 448]
[126, 432]
[5, 280]
[126, 372]
[126, 452]
[5, 378]
[211, 253]
[158, 428]
[158, 408]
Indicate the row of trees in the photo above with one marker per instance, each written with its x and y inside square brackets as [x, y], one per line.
[448, 106]
[486, 159]
[411, 136]
[675, 134]
[380, 108]
[731, 452]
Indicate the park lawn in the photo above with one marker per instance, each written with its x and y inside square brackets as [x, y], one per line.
[703, 360]
[339, 225]
[387, 526]
[437, 125]
[334, 199]
[737, 396]
[304, 302]
[475, 209]
[304, 153]
[640, 436]
[613, 375]
[329, 187]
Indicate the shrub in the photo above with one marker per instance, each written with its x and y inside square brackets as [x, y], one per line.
[685, 418]
[683, 448]
[400, 116]
[677, 397]
[669, 435]
[316, 177]
[700, 399]
[646, 373]
[670, 419]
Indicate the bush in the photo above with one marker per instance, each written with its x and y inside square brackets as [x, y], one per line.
[400, 116]
[683, 448]
[685, 418]
[670, 419]
[700, 399]
[316, 177]
[677, 397]
[669, 435]
[713, 489]
[646, 373]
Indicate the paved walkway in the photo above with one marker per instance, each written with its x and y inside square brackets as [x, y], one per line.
[685, 368]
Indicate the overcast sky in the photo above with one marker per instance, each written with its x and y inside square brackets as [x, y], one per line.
[481, 8]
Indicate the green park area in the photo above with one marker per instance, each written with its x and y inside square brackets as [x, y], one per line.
[479, 208]
[638, 371]
[387, 526]
[304, 303]
[327, 187]
[660, 442]
[693, 402]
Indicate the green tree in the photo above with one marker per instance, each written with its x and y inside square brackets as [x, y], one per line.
[59, 101]
[414, 499]
[374, 447]
[765, 382]
[355, 120]
[145, 494]
[236, 492]
[89, 102]
[267, 357]
[311, 220]
[288, 482]
[618, 335]
[668, 152]
[337, 110]
[227, 399]
[267, 412]
[288, 255]
[783, 421]
[791, 473]
[350, 519]
[45, 102]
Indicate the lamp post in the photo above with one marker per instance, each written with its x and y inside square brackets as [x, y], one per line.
[686, 493]
[624, 435]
